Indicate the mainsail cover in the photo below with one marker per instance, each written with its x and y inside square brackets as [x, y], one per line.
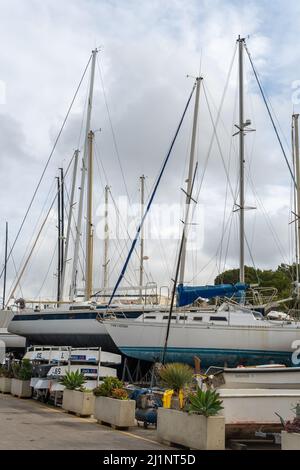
[186, 295]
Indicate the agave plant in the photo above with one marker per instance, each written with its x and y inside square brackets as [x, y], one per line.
[73, 380]
[176, 376]
[206, 403]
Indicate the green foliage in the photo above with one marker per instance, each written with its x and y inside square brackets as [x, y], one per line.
[281, 278]
[176, 376]
[22, 370]
[4, 372]
[73, 380]
[206, 403]
[108, 385]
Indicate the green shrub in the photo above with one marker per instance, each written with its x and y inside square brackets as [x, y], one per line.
[206, 403]
[176, 376]
[73, 380]
[22, 370]
[108, 385]
[4, 372]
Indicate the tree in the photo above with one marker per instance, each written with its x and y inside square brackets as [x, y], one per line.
[281, 278]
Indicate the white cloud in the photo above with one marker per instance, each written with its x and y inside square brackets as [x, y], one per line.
[147, 49]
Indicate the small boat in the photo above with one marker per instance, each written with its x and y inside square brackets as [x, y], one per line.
[65, 354]
[257, 408]
[87, 370]
[270, 376]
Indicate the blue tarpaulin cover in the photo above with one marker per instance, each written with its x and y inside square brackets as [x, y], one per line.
[186, 295]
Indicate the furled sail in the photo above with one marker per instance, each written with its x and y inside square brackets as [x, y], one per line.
[186, 295]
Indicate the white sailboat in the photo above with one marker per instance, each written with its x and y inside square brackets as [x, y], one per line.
[232, 334]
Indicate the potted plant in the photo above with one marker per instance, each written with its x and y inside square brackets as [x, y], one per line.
[176, 377]
[290, 436]
[5, 380]
[197, 426]
[76, 399]
[20, 384]
[112, 405]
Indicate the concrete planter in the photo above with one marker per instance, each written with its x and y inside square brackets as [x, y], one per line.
[290, 440]
[20, 388]
[191, 430]
[5, 384]
[117, 413]
[80, 403]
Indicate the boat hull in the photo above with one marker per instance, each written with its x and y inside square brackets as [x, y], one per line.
[276, 378]
[214, 345]
[76, 333]
[12, 342]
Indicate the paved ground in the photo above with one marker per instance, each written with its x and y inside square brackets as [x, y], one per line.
[27, 424]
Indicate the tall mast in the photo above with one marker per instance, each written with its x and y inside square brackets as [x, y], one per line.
[58, 238]
[83, 175]
[5, 265]
[106, 243]
[190, 178]
[295, 203]
[142, 180]
[297, 168]
[241, 42]
[62, 215]
[63, 278]
[89, 222]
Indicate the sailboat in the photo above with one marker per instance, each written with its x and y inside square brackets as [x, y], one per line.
[234, 333]
[72, 322]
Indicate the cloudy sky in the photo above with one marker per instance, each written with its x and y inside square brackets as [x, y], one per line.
[147, 49]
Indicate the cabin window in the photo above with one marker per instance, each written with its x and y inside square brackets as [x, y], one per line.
[78, 307]
[150, 318]
[182, 317]
[166, 317]
[197, 318]
[218, 319]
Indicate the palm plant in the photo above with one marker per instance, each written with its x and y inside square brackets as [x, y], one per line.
[206, 403]
[176, 376]
[73, 380]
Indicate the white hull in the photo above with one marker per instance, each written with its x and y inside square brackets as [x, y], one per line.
[12, 341]
[254, 378]
[214, 344]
